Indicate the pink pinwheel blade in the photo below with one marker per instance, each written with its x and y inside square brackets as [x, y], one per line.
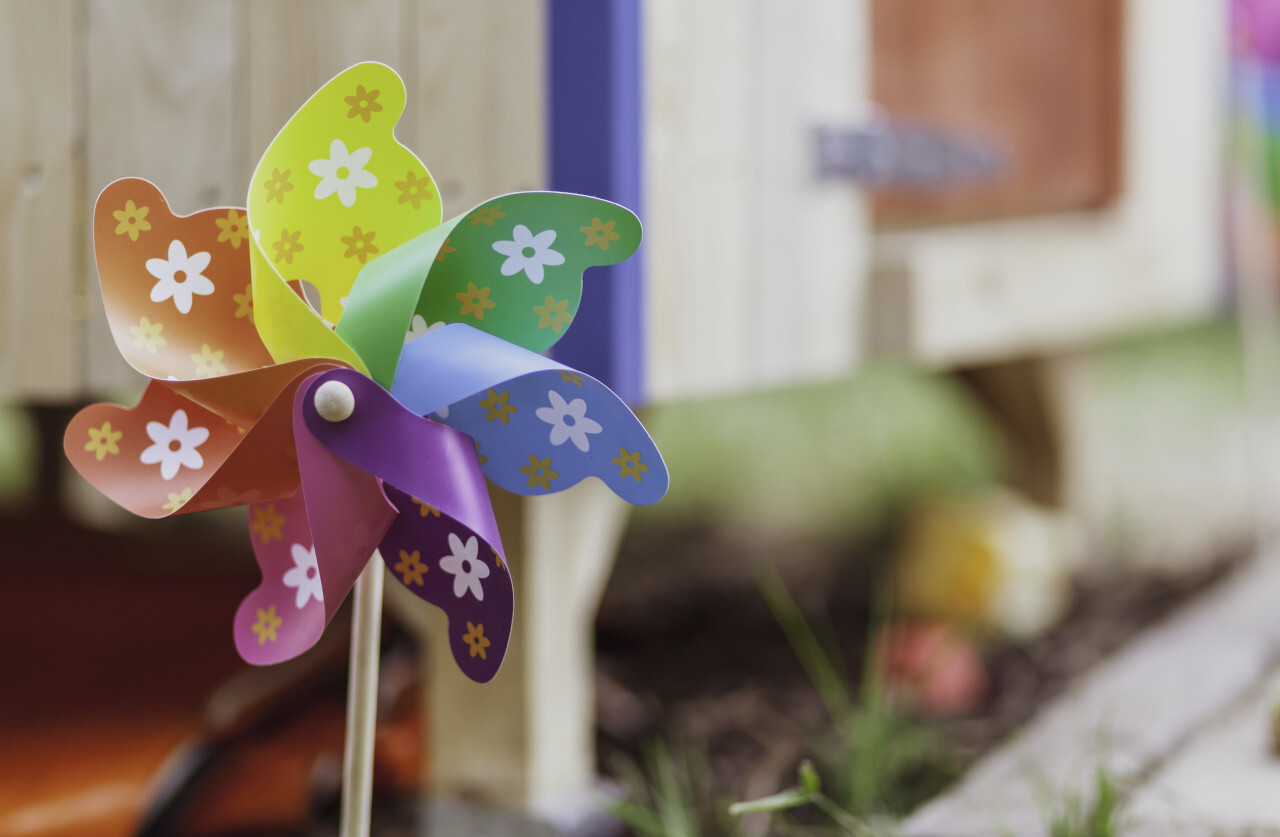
[310, 549]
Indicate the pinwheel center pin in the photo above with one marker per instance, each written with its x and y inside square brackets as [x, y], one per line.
[335, 401]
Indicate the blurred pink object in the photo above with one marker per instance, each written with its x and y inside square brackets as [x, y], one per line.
[1255, 29]
[930, 668]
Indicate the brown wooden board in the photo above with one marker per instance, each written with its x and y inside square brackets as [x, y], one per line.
[1042, 78]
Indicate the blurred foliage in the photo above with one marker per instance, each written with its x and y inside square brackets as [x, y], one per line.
[17, 453]
[1196, 369]
[808, 791]
[878, 760]
[1097, 818]
[870, 762]
[669, 794]
[1159, 423]
[835, 458]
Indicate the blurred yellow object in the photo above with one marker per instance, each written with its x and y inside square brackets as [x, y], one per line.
[995, 561]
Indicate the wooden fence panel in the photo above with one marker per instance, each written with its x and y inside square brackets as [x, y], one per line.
[160, 106]
[480, 110]
[41, 292]
[975, 293]
[755, 267]
[291, 47]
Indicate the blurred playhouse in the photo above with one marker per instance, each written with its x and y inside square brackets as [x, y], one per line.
[988, 189]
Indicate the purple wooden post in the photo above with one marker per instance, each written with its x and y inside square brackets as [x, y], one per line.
[594, 92]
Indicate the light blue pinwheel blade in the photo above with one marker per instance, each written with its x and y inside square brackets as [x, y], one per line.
[539, 425]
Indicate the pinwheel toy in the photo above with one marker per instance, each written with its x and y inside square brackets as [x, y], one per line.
[353, 369]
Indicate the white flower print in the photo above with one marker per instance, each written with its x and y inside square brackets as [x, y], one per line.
[528, 252]
[418, 327]
[304, 576]
[465, 568]
[568, 421]
[175, 445]
[180, 276]
[343, 173]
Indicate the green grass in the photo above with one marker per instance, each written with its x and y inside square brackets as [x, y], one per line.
[808, 792]
[1097, 818]
[869, 763]
[669, 795]
[878, 762]
[821, 459]
[17, 453]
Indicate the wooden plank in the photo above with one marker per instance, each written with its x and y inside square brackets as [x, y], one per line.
[1223, 781]
[973, 293]
[292, 47]
[1131, 713]
[755, 268]
[480, 105]
[41, 284]
[160, 106]
[1041, 79]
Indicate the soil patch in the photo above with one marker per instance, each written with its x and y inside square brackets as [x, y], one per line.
[702, 664]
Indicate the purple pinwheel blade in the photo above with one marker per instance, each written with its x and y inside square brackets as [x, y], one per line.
[443, 562]
[310, 548]
[444, 544]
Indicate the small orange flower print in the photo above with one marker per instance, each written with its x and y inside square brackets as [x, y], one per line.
[177, 501]
[445, 248]
[600, 233]
[411, 568]
[539, 472]
[360, 245]
[244, 302]
[287, 246]
[147, 335]
[571, 378]
[629, 464]
[102, 441]
[133, 220]
[208, 362]
[235, 228]
[499, 406]
[364, 103]
[476, 301]
[554, 315]
[414, 189]
[267, 523]
[267, 624]
[277, 184]
[424, 509]
[477, 640]
[487, 215]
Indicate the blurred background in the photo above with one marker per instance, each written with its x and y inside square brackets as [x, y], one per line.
[955, 322]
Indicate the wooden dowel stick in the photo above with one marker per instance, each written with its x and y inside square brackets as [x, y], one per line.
[362, 701]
